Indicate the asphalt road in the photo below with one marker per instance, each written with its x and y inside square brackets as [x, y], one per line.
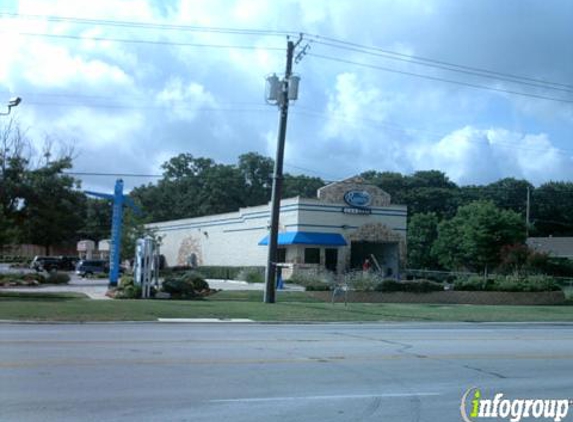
[256, 372]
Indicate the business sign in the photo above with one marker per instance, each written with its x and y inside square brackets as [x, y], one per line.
[356, 211]
[357, 198]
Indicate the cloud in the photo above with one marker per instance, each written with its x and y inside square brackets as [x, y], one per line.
[475, 156]
[127, 102]
[185, 99]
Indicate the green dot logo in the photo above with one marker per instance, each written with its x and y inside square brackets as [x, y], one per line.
[474, 394]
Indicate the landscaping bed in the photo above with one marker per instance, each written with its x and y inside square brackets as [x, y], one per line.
[448, 297]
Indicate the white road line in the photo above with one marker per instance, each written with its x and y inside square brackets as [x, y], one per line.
[202, 320]
[333, 397]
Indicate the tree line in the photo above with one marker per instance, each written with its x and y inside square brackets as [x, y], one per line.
[449, 226]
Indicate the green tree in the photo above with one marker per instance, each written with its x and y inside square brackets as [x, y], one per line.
[422, 233]
[257, 172]
[97, 220]
[52, 208]
[13, 167]
[301, 185]
[473, 239]
[551, 209]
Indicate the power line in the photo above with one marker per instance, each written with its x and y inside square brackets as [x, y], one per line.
[319, 39]
[151, 42]
[149, 25]
[435, 78]
[84, 173]
[513, 79]
[333, 42]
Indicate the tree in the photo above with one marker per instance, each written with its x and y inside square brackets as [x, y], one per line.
[97, 219]
[257, 172]
[13, 166]
[551, 206]
[422, 233]
[301, 185]
[52, 209]
[474, 237]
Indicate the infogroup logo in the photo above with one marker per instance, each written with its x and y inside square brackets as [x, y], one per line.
[475, 407]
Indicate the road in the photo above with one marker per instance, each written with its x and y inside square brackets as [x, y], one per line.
[259, 372]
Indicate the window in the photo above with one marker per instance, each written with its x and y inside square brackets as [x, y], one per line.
[281, 255]
[312, 255]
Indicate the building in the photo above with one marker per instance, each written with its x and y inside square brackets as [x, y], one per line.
[557, 247]
[348, 222]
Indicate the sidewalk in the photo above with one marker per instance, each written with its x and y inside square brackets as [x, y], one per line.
[96, 289]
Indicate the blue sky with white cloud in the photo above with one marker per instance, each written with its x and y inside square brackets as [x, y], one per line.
[130, 106]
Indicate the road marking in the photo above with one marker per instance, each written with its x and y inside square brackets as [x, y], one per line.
[332, 397]
[202, 320]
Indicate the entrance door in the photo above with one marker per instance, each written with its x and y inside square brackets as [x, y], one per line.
[386, 254]
[330, 258]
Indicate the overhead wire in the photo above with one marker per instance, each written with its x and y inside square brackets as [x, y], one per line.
[437, 78]
[373, 50]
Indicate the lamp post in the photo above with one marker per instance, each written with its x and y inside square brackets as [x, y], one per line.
[12, 103]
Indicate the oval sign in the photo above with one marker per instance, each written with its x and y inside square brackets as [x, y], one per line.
[357, 198]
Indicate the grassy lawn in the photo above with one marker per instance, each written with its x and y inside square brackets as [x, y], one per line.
[291, 307]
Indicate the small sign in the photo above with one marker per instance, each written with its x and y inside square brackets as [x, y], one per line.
[356, 211]
[357, 198]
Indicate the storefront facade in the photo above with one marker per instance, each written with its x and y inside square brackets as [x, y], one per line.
[348, 222]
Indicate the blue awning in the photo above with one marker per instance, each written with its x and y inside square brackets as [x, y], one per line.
[307, 238]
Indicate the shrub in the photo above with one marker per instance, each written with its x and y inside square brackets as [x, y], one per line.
[362, 282]
[57, 278]
[211, 271]
[413, 286]
[252, 275]
[127, 289]
[317, 281]
[318, 287]
[471, 283]
[188, 285]
[511, 283]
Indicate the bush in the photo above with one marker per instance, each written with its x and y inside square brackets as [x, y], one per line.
[127, 289]
[214, 272]
[252, 275]
[57, 278]
[318, 287]
[189, 285]
[472, 284]
[317, 281]
[363, 282]
[512, 283]
[413, 286]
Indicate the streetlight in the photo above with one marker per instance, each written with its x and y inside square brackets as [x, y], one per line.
[13, 102]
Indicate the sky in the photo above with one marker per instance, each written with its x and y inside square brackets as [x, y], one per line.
[480, 90]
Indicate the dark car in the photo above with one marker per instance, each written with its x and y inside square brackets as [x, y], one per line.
[89, 267]
[46, 263]
[68, 263]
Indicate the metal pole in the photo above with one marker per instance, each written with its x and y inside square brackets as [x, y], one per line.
[271, 270]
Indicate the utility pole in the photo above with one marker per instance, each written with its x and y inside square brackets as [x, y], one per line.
[283, 102]
[527, 214]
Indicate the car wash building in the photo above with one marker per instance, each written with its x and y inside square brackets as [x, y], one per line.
[347, 223]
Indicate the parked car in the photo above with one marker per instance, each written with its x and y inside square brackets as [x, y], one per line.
[47, 263]
[89, 267]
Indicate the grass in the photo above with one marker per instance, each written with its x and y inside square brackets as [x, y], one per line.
[290, 307]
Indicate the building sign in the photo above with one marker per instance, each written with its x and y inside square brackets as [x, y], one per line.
[357, 198]
[356, 211]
